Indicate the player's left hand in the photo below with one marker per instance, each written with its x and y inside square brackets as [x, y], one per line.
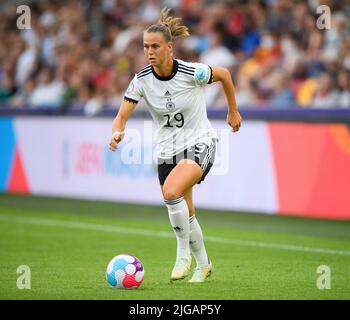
[234, 120]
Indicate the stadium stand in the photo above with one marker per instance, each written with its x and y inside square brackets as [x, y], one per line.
[83, 53]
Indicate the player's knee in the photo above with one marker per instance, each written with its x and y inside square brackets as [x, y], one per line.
[171, 193]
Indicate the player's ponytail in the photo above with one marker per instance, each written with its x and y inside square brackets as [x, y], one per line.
[169, 26]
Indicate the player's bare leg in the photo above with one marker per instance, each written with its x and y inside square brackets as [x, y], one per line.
[186, 174]
[183, 177]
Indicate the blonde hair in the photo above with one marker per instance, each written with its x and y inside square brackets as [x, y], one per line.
[169, 26]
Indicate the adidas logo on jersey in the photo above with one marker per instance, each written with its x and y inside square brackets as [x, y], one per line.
[167, 93]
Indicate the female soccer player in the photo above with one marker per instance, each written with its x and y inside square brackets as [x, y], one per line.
[173, 91]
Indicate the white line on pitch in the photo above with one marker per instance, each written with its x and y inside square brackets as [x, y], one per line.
[162, 234]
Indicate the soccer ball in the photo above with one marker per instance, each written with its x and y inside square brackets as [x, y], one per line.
[125, 272]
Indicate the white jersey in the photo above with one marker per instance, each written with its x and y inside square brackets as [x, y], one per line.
[177, 105]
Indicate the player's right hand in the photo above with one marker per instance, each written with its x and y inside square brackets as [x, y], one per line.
[117, 136]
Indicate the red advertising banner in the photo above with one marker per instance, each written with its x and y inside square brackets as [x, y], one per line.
[312, 163]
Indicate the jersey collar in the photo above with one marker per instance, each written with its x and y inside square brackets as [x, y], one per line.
[172, 74]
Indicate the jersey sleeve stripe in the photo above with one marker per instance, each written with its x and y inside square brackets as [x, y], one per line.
[144, 74]
[144, 71]
[189, 73]
[186, 67]
[130, 100]
[189, 70]
[147, 67]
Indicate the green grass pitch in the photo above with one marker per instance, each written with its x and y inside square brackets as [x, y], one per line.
[67, 244]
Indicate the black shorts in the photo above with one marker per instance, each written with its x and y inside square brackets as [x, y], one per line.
[201, 153]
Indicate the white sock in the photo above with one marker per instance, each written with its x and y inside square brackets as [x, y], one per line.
[178, 215]
[197, 244]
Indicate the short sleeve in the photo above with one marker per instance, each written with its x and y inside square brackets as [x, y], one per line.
[134, 91]
[203, 74]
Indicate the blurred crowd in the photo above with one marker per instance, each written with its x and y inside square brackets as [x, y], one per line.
[83, 53]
